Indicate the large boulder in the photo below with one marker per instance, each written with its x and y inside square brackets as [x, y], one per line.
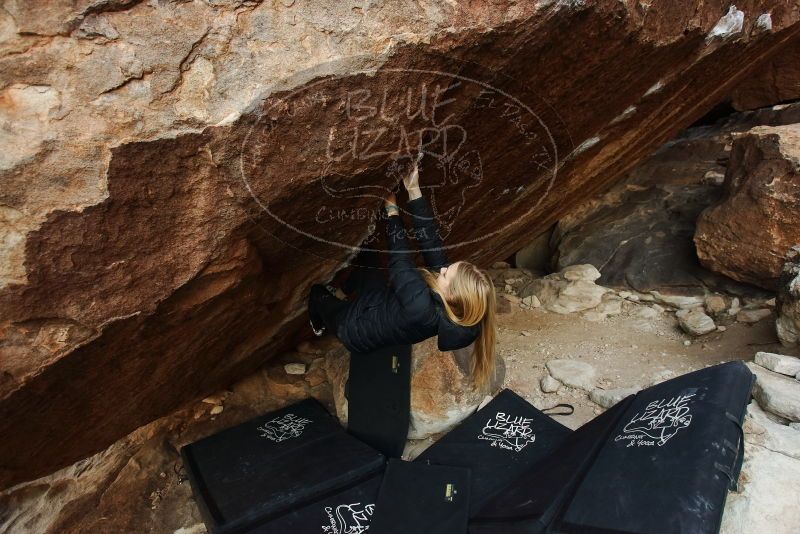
[747, 234]
[177, 174]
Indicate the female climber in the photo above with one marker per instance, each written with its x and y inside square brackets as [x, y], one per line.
[457, 305]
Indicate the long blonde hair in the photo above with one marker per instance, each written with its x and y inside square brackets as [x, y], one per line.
[471, 300]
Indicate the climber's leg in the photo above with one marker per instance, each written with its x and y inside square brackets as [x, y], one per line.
[324, 309]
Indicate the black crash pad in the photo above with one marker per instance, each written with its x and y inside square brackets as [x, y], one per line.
[379, 398]
[423, 499]
[498, 443]
[255, 472]
[660, 461]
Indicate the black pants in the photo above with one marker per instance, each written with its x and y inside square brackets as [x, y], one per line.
[325, 309]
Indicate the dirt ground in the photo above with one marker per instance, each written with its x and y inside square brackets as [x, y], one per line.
[625, 350]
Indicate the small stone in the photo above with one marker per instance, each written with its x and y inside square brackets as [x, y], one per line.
[753, 316]
[721, 328]
[609, 397]
[770, 302]
[216, 398]
[584, 272]
[677, 301]
[695, 322]
[735, 307]
[549, 384]
[216, 410]
[525, 333]
[633, 298]
[573, 373]
[295, 368]
[624, 294]
[686, 342]
[715, 304]
[779, 363]
[531, 301]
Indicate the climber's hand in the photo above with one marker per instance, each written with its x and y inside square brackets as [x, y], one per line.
[411, 182]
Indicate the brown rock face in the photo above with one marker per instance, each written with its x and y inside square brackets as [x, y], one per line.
[178, 174]
[748, 233]
[778, 80]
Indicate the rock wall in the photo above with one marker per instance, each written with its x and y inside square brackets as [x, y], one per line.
[776, 81]
[640, 233]
[747, 234]
[176, 175]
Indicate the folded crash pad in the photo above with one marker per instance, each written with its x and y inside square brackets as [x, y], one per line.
[379, 398]
[255, 472]
[423, 499]
[497, 443]
[660, 461]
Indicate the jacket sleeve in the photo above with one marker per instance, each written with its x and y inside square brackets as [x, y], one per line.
[408, 284]
[427, 233]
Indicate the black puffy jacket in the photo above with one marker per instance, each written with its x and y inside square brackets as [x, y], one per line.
[407, 311]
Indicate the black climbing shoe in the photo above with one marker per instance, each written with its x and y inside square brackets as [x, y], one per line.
[317, 332]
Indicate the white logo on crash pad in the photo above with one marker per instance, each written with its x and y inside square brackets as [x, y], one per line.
[283, 428]
[508, 432]
[658, 422]
[348, 518]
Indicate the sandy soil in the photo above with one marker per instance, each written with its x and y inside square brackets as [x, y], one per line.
[625, 350]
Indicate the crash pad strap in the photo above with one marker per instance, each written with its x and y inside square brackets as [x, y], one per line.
[738, 451]
[569, 407]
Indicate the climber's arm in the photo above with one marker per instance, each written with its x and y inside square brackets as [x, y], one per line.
[425, 228]
[407, 282]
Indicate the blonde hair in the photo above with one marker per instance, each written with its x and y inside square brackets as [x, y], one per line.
[470, 300]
